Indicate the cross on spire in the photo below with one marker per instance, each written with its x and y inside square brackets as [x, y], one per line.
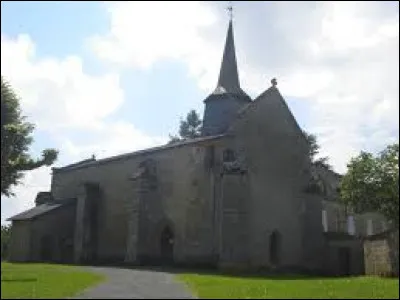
[230, 10]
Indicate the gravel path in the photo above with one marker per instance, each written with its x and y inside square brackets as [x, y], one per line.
[136, 284]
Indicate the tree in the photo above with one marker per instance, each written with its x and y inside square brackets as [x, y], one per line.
[372, 183]
[314, 150]
[5, 240]
[189, 128]
[15, 141]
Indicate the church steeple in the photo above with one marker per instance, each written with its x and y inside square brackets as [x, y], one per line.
[228, 98]
[228, 81]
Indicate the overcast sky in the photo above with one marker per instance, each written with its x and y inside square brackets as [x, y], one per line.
[107, 78]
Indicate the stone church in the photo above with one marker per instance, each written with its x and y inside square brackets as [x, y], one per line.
[241, 195]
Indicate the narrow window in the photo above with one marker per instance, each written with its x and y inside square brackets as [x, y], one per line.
[274, 247]
[350, 225]
[325, 220]
[338, 221]
[384, 226]
[370, 228]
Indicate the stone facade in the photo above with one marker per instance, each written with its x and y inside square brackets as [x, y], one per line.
[48, 237]
[20, 241]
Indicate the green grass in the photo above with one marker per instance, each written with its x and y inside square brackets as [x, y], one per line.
[230, 287]
[43, 280]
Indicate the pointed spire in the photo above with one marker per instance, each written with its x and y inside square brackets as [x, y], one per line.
[228, 81]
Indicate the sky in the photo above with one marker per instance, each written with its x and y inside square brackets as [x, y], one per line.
[107, 78]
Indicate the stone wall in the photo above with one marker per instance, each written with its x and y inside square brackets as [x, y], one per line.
[20, 242]
[134, 208]
[381, 254]
[275, 153]
[58, 226]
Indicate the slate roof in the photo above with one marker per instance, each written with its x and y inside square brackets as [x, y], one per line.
[140, 152]
[41, 209]
[228, 81]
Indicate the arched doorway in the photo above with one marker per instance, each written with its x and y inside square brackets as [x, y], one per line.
[274, 247]
[167, 245]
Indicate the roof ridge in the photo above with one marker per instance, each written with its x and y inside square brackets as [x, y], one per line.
[139, 152]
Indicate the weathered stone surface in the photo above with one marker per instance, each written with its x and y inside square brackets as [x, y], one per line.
[20, 241]
[27, 236]
[382, 254]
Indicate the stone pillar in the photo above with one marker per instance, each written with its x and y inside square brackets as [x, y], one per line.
[79, 224]
[233, 220]
[133, 223]
[215, 225]
[131, 246]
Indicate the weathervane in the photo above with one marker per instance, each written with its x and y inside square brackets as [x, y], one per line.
[230, 10]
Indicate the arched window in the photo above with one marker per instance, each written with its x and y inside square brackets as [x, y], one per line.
[228, 155]
[274, 247]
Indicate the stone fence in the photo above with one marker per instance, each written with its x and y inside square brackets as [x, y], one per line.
[381, 254]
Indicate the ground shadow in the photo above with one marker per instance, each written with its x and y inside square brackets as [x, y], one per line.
[19, 280]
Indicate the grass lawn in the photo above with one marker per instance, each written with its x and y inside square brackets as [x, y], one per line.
[231, 287]
[43, 280]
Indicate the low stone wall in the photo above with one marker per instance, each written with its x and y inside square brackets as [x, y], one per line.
[381, 254]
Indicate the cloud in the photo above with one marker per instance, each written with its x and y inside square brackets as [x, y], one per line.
[58, 93]
[340, 58]
[144, 33]
[142, 40]
[66, 104]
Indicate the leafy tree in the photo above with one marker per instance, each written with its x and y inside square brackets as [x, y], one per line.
[314, 150]
[15, 141]
[5, 240]
[372, 183]
[173, 139]
[189, 128]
